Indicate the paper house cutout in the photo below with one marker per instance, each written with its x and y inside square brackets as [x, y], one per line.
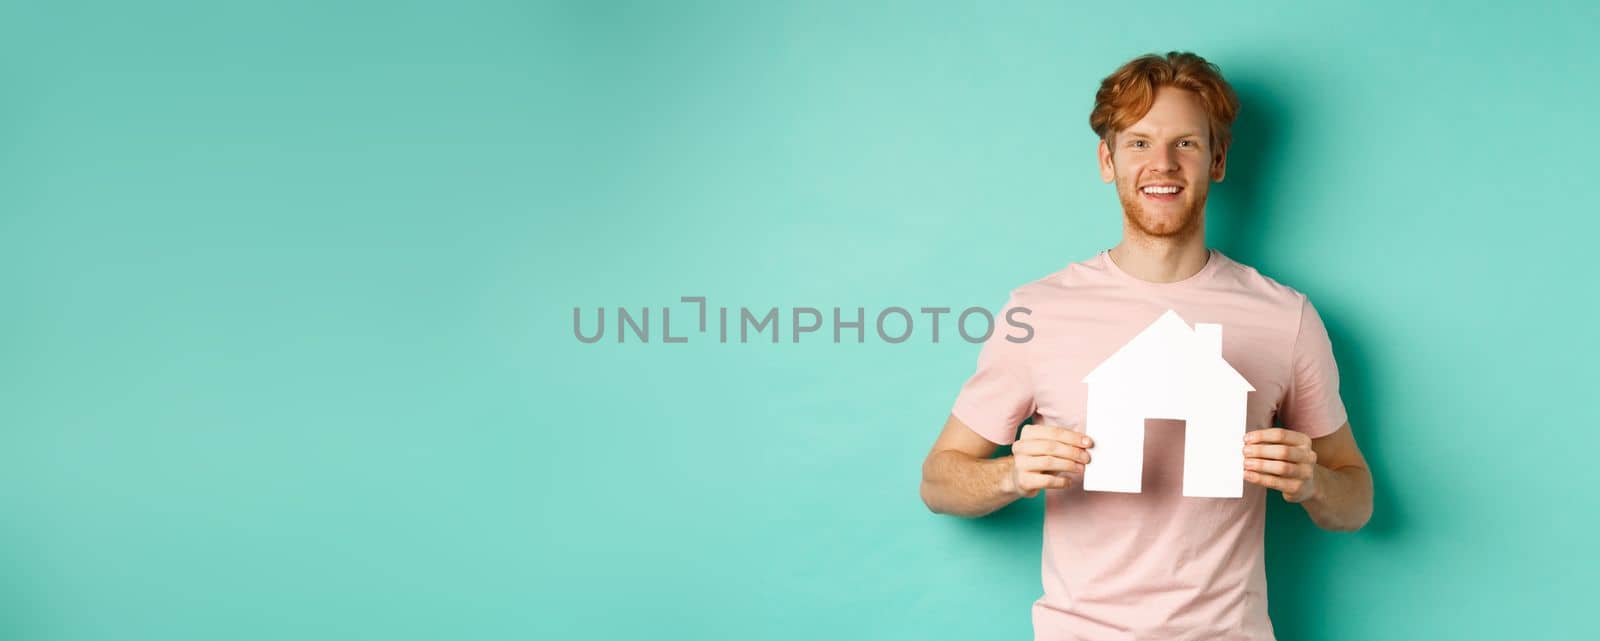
[1168, 371]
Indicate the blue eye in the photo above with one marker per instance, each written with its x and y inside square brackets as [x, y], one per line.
[1138, 143]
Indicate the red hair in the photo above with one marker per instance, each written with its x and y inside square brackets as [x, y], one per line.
[1125, 96]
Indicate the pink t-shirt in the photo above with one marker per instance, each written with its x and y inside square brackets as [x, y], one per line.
[1153, 565]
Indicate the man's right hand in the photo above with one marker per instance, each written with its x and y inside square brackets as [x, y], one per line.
[1046, 457]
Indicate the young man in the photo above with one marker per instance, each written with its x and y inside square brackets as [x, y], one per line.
[1156, 564]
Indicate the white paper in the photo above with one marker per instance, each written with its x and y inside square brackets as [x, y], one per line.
[1168, 371]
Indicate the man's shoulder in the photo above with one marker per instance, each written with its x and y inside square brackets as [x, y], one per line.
[1246, 278]
[1061, 282]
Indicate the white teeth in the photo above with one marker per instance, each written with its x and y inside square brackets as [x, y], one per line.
[1161, 190]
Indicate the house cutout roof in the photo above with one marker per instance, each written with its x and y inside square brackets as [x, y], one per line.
[1169, 347]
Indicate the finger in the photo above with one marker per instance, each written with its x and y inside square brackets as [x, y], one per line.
[1270, 435]
[1278, 452]
[1058, 465]
[1274, 481]
[1277, 468]
[1049, 464]
[1050, 447]
[1267, 480]
[1041, 433]
[1066, 435]
[1035, 481]
[1277, 435]
[1279, 483]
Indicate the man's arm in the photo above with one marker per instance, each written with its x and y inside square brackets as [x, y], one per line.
[1327, 476]
[1342, 497]
[961, 479]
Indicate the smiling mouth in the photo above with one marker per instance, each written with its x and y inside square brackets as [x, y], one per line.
[1161, 193]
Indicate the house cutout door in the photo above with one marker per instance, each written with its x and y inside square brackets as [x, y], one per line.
[1162, 472]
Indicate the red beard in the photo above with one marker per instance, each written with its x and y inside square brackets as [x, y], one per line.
[1186, 222]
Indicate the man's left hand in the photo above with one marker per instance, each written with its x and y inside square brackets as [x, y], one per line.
[1282, 460]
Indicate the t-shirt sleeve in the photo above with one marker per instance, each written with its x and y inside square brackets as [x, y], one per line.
[1313, 405]
[999, 395]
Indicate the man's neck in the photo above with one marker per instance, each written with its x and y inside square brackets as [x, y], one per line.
[1160, 260]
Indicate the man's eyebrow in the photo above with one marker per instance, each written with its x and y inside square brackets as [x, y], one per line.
[1187, 134]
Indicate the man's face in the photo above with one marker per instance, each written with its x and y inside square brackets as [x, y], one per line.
[1169, 148]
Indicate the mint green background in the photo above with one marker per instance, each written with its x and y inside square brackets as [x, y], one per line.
[288, 288]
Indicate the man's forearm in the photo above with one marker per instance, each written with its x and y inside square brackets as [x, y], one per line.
[1343, 500]
[962, 485]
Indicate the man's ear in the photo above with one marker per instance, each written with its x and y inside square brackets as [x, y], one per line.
[1108, 171]
[1219, 165]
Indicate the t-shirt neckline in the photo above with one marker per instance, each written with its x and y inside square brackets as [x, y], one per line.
[1214, 260]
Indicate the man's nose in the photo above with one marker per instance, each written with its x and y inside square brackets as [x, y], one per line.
[1166, 160]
